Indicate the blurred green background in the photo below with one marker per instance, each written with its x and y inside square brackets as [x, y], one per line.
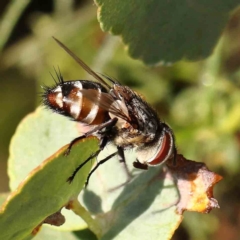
[200, 100]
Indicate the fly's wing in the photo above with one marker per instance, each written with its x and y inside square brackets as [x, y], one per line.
[82, 64]
[106, 101]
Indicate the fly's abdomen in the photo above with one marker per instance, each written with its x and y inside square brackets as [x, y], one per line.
[69, 100]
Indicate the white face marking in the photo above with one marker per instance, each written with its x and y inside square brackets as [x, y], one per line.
[154, 150]
[147, 156]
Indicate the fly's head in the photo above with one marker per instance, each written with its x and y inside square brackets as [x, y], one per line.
[160, 150]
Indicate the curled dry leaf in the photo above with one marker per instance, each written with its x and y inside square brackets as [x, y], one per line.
[56, 219]
[195, 184]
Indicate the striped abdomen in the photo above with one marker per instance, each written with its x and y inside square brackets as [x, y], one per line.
[67, 99]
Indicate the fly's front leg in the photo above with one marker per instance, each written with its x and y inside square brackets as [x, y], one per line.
[70, 179]
[98, 164]
[67, 152]
[123, 161]
[140, 165]
[103, 142]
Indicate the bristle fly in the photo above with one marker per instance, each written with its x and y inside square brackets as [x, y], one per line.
[112, 112]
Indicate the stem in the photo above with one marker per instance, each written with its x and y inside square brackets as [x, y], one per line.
[93, 225]
[9, 19]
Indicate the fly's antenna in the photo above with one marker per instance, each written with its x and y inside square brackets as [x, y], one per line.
[81, 63]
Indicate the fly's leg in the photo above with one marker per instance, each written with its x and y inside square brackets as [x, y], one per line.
[103, 143]
[136, 164]
[123, 161]
[67, 152]
[140, 165]
[109, 124]
[98, 164]
[70, 179]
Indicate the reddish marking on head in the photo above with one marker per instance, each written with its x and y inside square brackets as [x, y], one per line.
[163, 151]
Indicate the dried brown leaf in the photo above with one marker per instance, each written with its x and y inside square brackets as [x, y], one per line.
[56, 219]
[195, 184]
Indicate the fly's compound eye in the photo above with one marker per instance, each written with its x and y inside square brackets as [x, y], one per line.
[158, 153]
[165, 150]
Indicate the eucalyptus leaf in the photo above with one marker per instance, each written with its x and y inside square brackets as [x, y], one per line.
[166, 31]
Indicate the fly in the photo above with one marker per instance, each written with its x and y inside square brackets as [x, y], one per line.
[115, 114]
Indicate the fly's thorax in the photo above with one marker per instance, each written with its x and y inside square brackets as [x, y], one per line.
[129, 137]
[146, 117]
[141, 113]
[159, 151]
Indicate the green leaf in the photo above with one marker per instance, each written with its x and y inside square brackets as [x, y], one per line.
[147, 200]
[48, 233]
[145, 206]
[44, 191]
[39, 136]
[3, 197]
[166, 31]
